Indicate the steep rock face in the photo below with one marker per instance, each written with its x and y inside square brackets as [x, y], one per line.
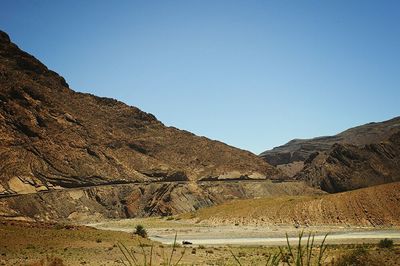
[52, 137]
[291, 156]
[347, 167]
[139, 200]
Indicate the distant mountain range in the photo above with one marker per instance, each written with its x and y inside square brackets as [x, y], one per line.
[358, 157]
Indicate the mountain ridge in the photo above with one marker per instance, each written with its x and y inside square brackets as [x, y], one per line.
[290, 157]
[53, 137]
[348, 167]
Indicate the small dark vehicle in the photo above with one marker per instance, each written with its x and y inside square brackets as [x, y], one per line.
[184, 242]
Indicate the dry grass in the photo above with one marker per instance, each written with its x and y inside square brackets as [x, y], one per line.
[359, 207]
[53, 261]
[34, 242]
[254, 208]
[37, 244]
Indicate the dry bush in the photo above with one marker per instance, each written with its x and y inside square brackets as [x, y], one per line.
[358, 257]
[49, 261]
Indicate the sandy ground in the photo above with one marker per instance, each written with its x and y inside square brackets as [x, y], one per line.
[30, 243]
[164, 231]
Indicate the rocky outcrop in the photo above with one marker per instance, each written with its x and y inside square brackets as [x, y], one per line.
[347, 167]
[291, 156]
[139, 200]
[52, 137]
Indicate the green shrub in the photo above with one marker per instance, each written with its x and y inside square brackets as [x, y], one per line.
[303, 255]
[299, 255]
[140, 230]
[385, 243]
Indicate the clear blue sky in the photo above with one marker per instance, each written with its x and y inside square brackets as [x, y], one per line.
[253, 74]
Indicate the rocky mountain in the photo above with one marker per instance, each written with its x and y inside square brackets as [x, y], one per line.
[52, 137]
[346, 167]
[140, 199]
[290, 157]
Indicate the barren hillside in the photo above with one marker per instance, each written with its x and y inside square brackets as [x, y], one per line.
[140, 200]
[53, 137]
[346, 167]
[291, 156]
[376, 206]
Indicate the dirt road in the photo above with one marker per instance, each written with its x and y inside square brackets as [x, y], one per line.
[334, 238]
[164, 232]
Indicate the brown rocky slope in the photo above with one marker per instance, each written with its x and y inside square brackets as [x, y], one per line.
[373, 206]
[347, 167]
[291, 156]
[53, 137]
[140, 199]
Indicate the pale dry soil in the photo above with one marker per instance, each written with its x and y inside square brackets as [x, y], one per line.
[164, 229]
[25, 243]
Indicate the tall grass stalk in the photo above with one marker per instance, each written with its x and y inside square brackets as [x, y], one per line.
[303, 255]
[145, 258]
[273, 260]
[128, 254]
[235, 258]
[174, 246]
[300, 256]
